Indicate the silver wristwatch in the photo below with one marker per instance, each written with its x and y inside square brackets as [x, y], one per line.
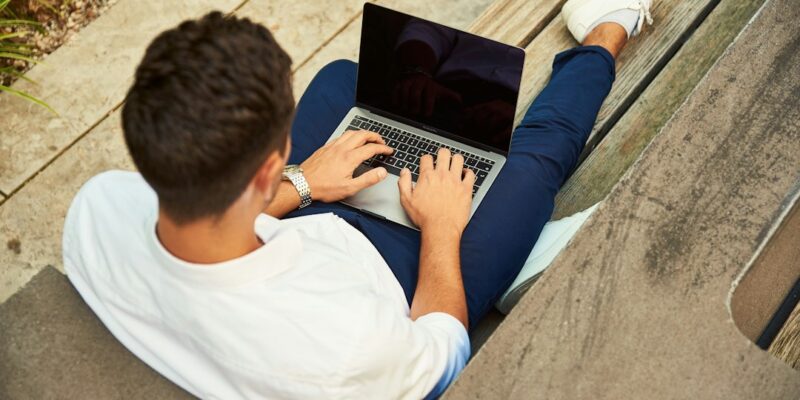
[294, 174]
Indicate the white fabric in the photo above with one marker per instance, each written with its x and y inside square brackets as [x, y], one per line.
[580, 15]
[313, 313]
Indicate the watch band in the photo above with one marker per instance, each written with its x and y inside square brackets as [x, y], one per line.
[295, 175]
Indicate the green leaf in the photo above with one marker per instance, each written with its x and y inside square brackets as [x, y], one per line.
[13, 72]
[12, 35]
[27, 97]
[15, 22]
[16, 56]
[23, 51]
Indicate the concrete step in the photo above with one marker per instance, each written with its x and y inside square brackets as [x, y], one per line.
[53, 346]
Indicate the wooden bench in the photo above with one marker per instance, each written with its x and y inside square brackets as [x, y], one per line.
[637, 306]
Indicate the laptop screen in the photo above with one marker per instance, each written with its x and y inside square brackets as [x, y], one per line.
[428, 75]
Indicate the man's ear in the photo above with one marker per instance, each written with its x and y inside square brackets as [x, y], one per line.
[269, 174]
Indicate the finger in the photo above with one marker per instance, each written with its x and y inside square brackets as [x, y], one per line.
[443, 160]
[368, 179]
[371, 149]
[469, 177]
[404, 184]
[359, 138]
[425, 164]
[457, 165]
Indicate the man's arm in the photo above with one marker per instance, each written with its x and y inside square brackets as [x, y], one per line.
[439, 205]
[329, 172]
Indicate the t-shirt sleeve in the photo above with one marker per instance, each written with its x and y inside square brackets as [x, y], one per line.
[397, 357]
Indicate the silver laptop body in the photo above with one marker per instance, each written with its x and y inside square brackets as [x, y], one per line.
[383, 200]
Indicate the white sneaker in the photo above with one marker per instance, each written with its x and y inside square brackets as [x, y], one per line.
[580, 15]
[554, 237]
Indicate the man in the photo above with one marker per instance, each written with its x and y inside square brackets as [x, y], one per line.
[190, 268]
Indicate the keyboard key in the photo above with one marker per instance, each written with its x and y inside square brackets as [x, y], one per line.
[400, 164]
[384, 132]
[393, 134]
[413, 142]
[414, 177]
[403, 139]
[480, 177]
[484, 166]
[381, 157]
[399, 155]
[402, 146]
[391, 161]
[413, 151]
[411, 158]
[431, 148]
[392, 169]
[471, 162]
[393, 144]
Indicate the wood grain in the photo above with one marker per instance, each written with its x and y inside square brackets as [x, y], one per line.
[516, 22]
[786, 345]
[644, 56]
[614, 155]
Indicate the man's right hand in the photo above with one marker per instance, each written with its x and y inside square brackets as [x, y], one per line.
[329, 171]
[442, 197]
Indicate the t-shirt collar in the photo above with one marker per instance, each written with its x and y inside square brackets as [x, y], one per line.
[281, 250]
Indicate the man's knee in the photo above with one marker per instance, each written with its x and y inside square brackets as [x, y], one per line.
[337, 69]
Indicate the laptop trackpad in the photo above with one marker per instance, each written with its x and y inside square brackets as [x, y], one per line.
[382, 199]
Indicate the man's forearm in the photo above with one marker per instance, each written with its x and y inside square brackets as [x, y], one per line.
[286, 200]
[440, 287]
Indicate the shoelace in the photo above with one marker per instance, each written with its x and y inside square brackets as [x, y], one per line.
[644, 14]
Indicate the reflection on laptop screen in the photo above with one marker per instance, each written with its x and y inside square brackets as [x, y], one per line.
[438, 76]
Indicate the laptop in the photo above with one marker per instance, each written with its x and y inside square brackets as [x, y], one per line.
[423, 86]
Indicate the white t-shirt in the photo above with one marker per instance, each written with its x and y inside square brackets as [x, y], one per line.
[313, 313]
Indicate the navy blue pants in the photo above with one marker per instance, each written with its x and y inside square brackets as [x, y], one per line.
[544, 150]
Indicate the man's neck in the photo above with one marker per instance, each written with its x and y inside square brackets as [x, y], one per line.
[210, 240]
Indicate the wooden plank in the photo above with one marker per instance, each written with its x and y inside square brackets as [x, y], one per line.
[83, 80]
[516, 22]
[604, 167]
[787, 344]
[766, 283]
[636, 306]
[645, 55]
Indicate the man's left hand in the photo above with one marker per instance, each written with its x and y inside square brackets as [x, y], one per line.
[329, 171]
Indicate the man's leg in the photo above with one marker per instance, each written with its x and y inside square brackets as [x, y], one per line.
[544, 150]
[328, 98]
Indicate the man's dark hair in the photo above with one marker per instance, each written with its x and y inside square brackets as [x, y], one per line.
[212, 99]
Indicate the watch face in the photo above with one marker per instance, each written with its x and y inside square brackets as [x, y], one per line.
[292, 169]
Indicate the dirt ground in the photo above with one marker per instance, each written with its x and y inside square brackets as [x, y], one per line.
[59, 19]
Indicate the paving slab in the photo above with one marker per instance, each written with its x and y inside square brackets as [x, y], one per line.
[31, 221]
[83, 81]
[637, 306]
[302, 27]
[53, 346]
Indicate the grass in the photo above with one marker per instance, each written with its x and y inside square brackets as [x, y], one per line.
[15, 28]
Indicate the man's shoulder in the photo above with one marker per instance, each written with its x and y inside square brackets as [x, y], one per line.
[109, 199]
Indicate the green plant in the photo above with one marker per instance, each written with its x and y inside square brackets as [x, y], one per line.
[13, 27]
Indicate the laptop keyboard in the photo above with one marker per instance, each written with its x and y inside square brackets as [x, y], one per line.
[410, 147]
